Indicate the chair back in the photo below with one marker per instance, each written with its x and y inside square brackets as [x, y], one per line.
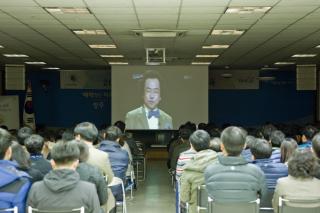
[202, 199]
[75, 210]
[266, 202]
[299, 205]
[14, 210]
[118, 181]
[232, 207]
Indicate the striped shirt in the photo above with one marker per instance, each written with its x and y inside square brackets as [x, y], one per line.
[183, 159]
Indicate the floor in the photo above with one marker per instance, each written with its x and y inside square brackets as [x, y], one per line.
[155, 194]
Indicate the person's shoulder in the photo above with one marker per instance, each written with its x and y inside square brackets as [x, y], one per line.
[86, 186]
[134, 111]
[165, 115]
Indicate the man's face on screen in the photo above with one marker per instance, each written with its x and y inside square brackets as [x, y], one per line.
[152, 93]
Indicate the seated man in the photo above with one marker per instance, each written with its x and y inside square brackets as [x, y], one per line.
[14, 184]
[192, 175]
[316, 150]
[232, 178]
[61, 188]
[34, 144]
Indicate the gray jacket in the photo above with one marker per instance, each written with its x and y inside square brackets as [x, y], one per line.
[62, 189]
[233, 179]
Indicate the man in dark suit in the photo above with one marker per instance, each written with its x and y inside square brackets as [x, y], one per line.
[149, 116]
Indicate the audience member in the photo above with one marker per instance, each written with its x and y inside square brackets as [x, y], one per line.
[288, 146]
[232, 178]
[301, 182]
[23, 133]
[34, 144]
[276, 138]
[246, 153]
[91, 173]
[14, 184]
[192, 175]
[22, 157]
[316, 151]
[306, 136]
[215, 144]
[62, 188]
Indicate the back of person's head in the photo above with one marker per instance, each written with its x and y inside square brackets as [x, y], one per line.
[199, 140]
[214, 132]
[83, 148]
[121, 125]
[276, 138]
[87, 131]
[267, 130]
[67, 135]
[202, 126]
[309, 131]
[34, 144]
[5, 142]
[185, 133]
[302, 164]
[191, 126]
[261, 149]
[20, 155]
[23, 133]
[287, 148]
[65, 153]
[215, 144]
[233, 140]
[250, 141]
[113, 133]
[316, 145]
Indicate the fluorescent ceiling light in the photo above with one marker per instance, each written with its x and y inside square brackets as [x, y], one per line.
[111, 56]
[304, 55]
[227, 32]
[35, 62]
[216, 46]
[159, 34]
[15, 55]
[102, 46]
[89, 32]
[1, 46]
[118, 63]
[207, 56]
[67, 10]
[51, 68]
[284, 63]
[200, 63]
[318, 46]
[247, 10]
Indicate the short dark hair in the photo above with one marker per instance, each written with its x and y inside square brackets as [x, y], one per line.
[302, 164]
[5, 142]
[34, 144]
[267, 130]
[64, 153]
[276, 138]
[233, 139]
[67, 135]
[316, 144]
[87, 131]
[113, 133]
[261, 149]
[200, 140]
[121, 125]
[20, 155]
[215, 144]
[83, 148]
[287, 148]
[309, 131]
[23, 133]
[185, 133]
[250, 141]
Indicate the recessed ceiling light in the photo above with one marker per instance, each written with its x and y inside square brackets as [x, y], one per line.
[285, 63]
[1, 46]
[247, 10]
[35, 62]
[304, 55]
[227, 32]
[111, 56]
[89, 32]
[118, 63]
[67, 10]
[207, 56]
[51, 68]
[102, 46]
[200, 63]
[15, 55]
[216, 46]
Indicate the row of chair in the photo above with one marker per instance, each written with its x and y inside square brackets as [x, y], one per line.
[206, 204]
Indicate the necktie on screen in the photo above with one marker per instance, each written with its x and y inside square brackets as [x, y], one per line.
[155, 113]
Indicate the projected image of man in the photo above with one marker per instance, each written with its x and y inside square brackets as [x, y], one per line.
[149, 116]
